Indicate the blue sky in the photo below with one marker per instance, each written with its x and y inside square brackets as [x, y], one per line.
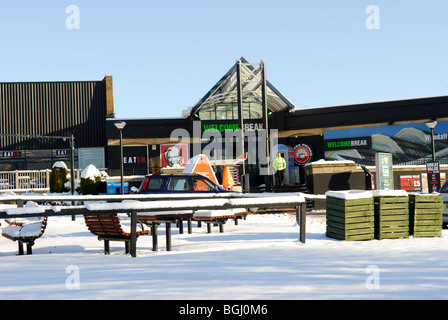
[165, 55]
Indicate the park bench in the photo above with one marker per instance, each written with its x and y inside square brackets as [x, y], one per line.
[25, 231]
[109, 227]
[219, 217]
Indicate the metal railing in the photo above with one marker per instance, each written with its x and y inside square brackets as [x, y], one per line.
[27, 179]
[95, 206]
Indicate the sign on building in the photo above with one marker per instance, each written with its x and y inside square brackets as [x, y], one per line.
[433, 172]
[384, 172]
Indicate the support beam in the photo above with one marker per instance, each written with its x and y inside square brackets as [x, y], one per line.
[155, 244]
[133, 247]
[190, 231]
[168, 236]
[301, 215]
[264, 102]
[241, 120]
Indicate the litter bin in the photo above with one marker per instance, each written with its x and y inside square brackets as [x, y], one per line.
[426, 213]
[391, 214]
[350, 215]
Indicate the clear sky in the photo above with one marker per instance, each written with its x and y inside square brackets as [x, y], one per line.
[165, 55]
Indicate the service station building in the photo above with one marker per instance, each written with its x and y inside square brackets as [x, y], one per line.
[325, 147]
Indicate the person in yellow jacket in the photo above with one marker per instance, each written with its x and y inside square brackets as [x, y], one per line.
[279, 165]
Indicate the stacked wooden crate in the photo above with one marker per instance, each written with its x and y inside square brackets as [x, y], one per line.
[350, 215]
[391, 214]
[426, 212]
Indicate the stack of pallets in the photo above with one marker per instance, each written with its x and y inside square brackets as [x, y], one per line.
[391, 214]
[426, 212]
[350, 215]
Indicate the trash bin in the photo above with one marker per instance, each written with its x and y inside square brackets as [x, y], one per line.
[350, 215]
[426, 213]
[391, 214]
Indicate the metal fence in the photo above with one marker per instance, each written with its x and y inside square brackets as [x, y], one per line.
[97, 206]
[27, 180]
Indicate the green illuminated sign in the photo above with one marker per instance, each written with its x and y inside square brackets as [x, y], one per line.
[223, 127]
[348, 143]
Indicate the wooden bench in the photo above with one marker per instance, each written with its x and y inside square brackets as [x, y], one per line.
[25, 231]
[219, 217]
[108, 227]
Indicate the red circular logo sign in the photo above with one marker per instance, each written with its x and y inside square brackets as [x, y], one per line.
[303, 153]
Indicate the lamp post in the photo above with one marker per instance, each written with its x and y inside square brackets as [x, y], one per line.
[431, 125]
[120, 126]
[239, 84]
[72, 163]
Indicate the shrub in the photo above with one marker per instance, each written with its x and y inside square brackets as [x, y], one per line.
[91, 182]
[59, 178]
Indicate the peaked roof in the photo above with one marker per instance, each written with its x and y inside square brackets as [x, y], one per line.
[225, 90]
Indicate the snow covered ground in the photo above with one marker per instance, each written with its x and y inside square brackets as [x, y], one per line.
[261, 258]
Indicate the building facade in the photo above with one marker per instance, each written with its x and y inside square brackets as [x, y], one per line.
[242, 98]
[36, 116]
[351, 132]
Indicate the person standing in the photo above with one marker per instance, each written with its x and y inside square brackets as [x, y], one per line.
[279, 164]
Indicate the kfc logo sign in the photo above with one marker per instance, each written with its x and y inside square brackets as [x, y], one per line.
[173, 155]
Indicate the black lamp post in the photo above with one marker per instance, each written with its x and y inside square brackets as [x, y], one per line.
[120, 126]
[431, 125]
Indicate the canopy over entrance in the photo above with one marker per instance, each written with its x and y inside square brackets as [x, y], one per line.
[220, 103]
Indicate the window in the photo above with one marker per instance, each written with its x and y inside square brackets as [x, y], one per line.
[153, 183]
[179, 184]
[229, 111]
[202, 185]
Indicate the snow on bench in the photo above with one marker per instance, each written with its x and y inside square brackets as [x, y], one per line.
[149, 211]
[25, 230]
[219, 217]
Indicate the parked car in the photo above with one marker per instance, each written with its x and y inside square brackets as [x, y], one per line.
[179, 183]
[444, 192]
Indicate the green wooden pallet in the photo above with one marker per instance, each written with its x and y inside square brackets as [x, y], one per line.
[350, 219]
[391, 217]
[426, 211]
[347, 237]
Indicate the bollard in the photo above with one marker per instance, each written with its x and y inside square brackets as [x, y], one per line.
[301, 220]
[133, 247]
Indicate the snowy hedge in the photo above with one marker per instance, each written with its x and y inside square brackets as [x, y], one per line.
[59, 178]
[91, 182]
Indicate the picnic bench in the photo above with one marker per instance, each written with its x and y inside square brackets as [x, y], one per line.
[219, 217]
[25, 231]
[140, 205]
[154, 219]
[109, 227]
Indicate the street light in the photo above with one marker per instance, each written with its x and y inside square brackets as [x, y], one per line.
[120, 126]
[431, 125]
